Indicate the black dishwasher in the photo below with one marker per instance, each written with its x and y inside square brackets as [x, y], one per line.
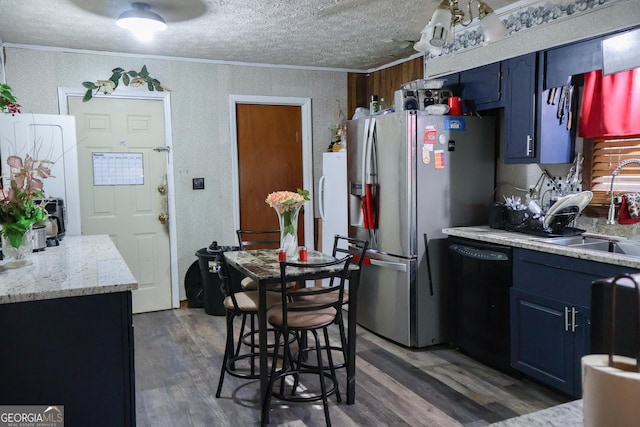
[479, 279]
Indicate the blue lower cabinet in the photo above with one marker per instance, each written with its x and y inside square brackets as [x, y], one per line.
[550, 305]
[548, 339]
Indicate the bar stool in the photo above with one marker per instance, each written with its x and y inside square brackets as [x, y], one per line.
[341, 245]
[257, 239]
[243, 305]
[302, 317]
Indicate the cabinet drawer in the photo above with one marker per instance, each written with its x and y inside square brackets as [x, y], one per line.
[560, 277]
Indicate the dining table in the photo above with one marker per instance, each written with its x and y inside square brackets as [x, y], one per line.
[262, 266]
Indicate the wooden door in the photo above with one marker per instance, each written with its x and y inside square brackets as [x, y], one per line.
[118, 137]
[269, 159]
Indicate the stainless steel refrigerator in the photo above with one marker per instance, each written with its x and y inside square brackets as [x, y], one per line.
[411, 175]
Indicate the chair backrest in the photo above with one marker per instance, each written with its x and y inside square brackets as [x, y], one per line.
[343, 245]
[259, 239]
[224, 274]
[336, 270]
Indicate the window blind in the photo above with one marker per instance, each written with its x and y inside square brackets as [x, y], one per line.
[606, 154]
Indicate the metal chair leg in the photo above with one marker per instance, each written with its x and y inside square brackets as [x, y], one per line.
[227, 349]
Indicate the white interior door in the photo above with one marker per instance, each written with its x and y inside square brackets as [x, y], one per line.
[123, 188]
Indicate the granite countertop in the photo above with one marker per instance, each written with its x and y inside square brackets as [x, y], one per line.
[541, 244]
[81, 265]
[565, 415]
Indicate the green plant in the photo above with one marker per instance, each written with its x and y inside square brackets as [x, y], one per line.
[133, 78]
[8, 101]
[18, 207]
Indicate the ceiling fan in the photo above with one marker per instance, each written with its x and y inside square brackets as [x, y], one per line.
[170, 10]
[337, 7]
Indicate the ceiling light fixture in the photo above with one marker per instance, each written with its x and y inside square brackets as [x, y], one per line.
[141, 21]
[438, 31]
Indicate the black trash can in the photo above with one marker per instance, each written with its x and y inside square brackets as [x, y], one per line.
[209, 262]
[193, 286]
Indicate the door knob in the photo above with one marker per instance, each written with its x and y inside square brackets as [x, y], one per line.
[162, 188]
[163, 218]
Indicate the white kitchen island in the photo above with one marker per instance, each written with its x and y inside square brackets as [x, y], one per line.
[67, 332]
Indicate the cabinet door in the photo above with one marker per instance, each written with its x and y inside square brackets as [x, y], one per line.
[452, 81]
[581, 343]
[541, 341]
[77, 351]
[482, 86]
[520, 109]
[576, 58]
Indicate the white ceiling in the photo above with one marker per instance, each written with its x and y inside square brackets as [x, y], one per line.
[342, 34]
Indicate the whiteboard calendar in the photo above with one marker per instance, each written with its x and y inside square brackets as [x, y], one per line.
[118, 169]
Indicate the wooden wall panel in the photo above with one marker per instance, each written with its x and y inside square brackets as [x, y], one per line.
[356, 92]
[382, 83]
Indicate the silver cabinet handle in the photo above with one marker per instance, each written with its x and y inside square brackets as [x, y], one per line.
[566, 319]
[529, 145]
[573, 319]
[393, 265]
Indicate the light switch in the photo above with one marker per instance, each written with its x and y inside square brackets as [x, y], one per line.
[198, 183]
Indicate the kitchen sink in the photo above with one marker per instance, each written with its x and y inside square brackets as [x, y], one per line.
[627, 248]
[602, 244]
[575, 241]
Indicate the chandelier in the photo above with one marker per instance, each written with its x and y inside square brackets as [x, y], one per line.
[438, 31]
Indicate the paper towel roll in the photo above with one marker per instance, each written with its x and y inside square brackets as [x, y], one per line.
[611, 395]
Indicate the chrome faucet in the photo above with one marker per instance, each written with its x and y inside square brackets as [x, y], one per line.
[611, 217]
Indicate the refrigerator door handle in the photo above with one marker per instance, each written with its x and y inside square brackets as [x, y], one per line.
[363, 160]
[399, 266]
[426, 254]
[321, 197]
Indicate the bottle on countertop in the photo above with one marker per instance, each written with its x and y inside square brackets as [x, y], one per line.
[374, 106]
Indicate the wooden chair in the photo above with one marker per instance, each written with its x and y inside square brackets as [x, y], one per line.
[243, 305]
[302, 318]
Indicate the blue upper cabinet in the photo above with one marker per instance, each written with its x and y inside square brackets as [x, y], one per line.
[562, 62]
[520, 85]
[539, 124]
[556, 118]
[481, 87]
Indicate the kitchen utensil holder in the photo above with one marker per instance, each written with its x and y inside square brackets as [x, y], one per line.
[516, 219]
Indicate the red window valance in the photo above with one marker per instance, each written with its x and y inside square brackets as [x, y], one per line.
[610, 104]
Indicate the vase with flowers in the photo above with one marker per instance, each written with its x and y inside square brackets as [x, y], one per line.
[287, 205]
[18, 207]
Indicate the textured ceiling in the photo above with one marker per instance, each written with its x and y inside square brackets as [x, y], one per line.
[344, 34]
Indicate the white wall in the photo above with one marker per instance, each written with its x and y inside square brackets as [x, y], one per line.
[200, 121]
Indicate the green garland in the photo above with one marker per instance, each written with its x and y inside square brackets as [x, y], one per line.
[133, 78]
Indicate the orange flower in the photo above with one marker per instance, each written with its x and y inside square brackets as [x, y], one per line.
[286, 200]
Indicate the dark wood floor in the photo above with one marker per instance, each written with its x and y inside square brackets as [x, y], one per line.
[178, 355]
